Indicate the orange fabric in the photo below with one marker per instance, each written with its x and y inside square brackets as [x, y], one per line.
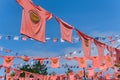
[111, 50]
[115, 75]
[46, 77]
[69, 58]
[31, 78]
[33, 20]
[91, 72]
[41, 77]
[21, 78]
[7, 70]
[9, 78]
[27, 75]
[53, 77]
[108, 61]
[25, 58]
[103, 67]
[40, 59]
[86, 43]
[8, 61]
[95, 75]
[81, 73]
[96, 61]
[108, 77]
[71, 76]
[117, 55]
[66, 30]
[17, 73]
[62, 77]
[82, 62]
[115, 69]
[111, 53]
[101, 48]
[55, 62]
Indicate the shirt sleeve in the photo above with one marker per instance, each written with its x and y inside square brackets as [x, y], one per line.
[21, 3]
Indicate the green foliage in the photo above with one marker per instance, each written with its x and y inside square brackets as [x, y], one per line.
[12, 74]
[36, 68]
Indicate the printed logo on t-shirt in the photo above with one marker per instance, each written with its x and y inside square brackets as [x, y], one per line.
[108, 59]
[55, 61]
[8, 60]
[34, 16]
[82, 61]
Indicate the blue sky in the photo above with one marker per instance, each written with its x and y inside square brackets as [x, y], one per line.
[89, 16]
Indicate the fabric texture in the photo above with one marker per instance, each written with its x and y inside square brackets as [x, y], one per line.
[100, 47]
[33, 20]
[86, 43]
[81, 62]
[66, 30]
[55, 62]
[8, 60]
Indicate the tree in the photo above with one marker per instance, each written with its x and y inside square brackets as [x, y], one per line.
[35, 68]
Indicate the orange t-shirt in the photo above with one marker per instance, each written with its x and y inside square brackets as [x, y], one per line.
[86, 43]
[108, 61]
[55, 62]
[91, 72]
[8, 61]
[96, 62]
[66, 30]
[71, 76]
[100, 46]
[53, 77]
[81, 73]
[82, 62]
[33, 20]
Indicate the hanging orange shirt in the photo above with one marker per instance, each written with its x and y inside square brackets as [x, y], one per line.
[86, 43]
[66, 30]
[8, 61]
[108, 61]
[55, 62]
[95, 61]
[21, 78]
[33, 20]
[116, 76]
[108, 77]
[91, 72]
[53, 77]
[117, 55]
[47, 78]
[62, 77]
[103, 67]
[9, 78]
[82, 62]
[17, 73]
[100, 47]
[71, 76]
[110, 49]
[81, 73]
